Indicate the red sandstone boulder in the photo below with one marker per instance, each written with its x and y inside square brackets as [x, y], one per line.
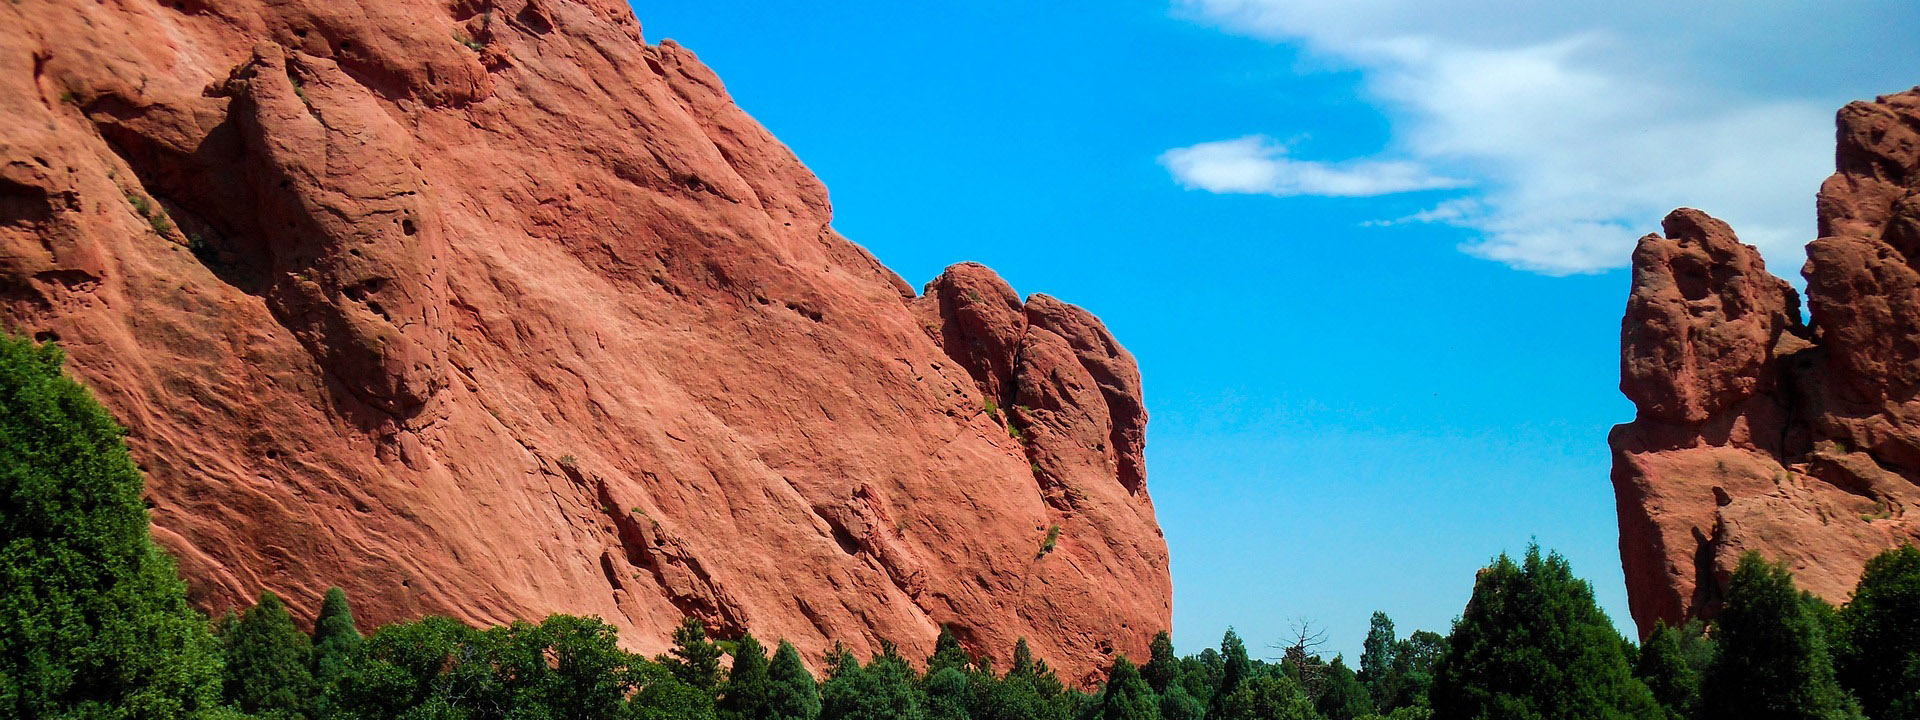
[1755, 432]
[491, 309]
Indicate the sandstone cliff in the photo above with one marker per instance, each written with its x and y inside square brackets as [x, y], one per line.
[488, 308]
[1756, 431]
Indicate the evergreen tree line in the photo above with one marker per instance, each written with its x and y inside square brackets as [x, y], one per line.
[94, 623]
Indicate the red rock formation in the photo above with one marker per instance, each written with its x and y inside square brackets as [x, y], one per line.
[491, 309]
[1756, 432]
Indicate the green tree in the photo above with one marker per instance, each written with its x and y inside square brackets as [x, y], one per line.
[659, 694]
[1533, 645]
[792, 694]
[408, 666]
[269, 662]
[694, 659]
[1376, 653]
[336, 639]
[1266, 697]
[1127, 695]
[1671, 663]
[1162, 667]
[1410, 677]
[1022, 660]
[947, 653]
[947, 693]
[1879, 654]
[1772, 660]
[883, 690]
[1342, 696]
[1177, 704]
[1235, 667]
[94, 622]
[565, 666]
[749, 689]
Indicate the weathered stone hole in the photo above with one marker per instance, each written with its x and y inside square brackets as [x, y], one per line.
[1692, 278]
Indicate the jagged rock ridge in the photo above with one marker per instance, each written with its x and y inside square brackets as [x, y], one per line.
[492, 309]
[1758, 432]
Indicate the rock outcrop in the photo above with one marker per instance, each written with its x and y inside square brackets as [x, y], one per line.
[488, 308]
[1758, 432]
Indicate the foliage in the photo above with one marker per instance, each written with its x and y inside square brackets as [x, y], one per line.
[1772, 659]
[947, 653]
[94, 622]
[1266, 697]
[1878, 654]
[1532, 644]
[1127, 696]
[1177, 704]
[694, 659]
[1162, 666]
[268, 661]
[1376, 654]
[1047, 545]
[792, 694]
[749, 690]
[1235, 667]
[1671, 663]
[1342, 696]
[337, 644]
[883, 690]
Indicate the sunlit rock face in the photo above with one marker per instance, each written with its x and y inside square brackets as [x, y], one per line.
[491, 309]
[1756, 431]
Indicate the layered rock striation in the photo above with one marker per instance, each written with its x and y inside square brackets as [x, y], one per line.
[489, 308]
[1756, 430]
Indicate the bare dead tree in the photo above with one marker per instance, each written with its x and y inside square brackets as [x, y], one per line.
[1301, 652]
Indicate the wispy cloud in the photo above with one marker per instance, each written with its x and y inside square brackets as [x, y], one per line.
[1258, 164]
[1576, 127]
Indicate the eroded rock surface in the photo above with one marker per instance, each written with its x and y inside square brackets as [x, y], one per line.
[491, 309]
[1754, 431]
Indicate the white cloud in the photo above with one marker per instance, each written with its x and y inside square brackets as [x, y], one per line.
[1579, 124]
[1259, 165]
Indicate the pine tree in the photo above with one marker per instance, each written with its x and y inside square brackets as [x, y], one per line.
[947, 653]
[1671, 663]
[1342, 696]
[946, 693]
[1376, 656]
[1878, 657]
[1127, 696]
[93, 620]
[883, 690]
[1235, 668]
[1533, 645]
[749, 690]
[1022, 660]
[1162, 667]
[1772, 661]
[1177, 704]
[268, 662]
[791, 692]
[694, 659]
[337, 644]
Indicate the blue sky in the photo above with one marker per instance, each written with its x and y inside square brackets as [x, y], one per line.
[1368, 254]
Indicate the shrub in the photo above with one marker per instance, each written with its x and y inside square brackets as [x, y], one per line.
[93, 620]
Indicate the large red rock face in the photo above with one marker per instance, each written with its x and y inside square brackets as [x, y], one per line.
[1754, 431]
[491, 309]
